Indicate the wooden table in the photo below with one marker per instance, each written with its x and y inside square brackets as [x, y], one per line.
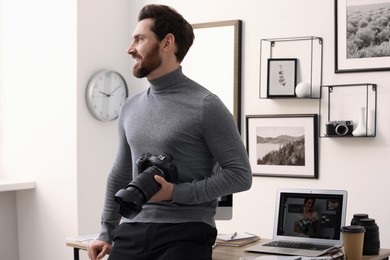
[225, 252]
[234, 253]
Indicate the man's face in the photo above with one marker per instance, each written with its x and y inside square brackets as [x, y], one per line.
[145, 49]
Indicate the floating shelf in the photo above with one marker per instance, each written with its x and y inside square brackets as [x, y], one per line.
[308, 52]
[353, 105]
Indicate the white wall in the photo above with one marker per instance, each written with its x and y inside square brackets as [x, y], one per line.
[38, 121]
[69, 153]
[104, 33]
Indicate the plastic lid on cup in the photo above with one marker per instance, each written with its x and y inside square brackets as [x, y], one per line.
[353, 229]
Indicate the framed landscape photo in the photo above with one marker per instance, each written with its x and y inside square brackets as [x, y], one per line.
[282, 77]
[283, 145]
[362, 35]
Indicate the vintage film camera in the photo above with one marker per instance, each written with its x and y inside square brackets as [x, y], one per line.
[339, 128]
[143, 187]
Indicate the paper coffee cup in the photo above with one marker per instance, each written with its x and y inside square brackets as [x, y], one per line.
[353, 237]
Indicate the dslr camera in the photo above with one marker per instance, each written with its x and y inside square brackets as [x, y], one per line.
[339, 128]
[143, 187]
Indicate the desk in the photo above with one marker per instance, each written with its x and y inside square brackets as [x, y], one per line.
[226, 252]
[234, 253]
[15, 185]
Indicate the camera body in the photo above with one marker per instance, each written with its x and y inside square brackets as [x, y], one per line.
[339, 128]
[143, 187]
[163, 162]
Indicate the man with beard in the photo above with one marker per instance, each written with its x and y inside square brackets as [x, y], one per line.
[174, 115]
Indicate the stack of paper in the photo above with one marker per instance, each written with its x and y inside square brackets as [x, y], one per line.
[83, 239]
[236, 239]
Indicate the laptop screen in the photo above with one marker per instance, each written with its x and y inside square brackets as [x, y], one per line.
[310, 214]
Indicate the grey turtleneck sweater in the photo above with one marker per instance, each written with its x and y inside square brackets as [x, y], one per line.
[178, 116]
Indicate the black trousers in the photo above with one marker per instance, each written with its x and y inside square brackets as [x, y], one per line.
[155, 241]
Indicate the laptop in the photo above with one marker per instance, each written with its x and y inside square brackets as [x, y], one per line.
[307, 222]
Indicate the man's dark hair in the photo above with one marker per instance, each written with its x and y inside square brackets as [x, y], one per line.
[168, 20]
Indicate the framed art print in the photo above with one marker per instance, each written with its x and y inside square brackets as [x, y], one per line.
[282, 77]
[362, 35]
[283, 145]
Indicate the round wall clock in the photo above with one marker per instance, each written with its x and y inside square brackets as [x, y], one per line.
[106, 91]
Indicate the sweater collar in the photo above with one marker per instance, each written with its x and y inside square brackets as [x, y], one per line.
[167, 81]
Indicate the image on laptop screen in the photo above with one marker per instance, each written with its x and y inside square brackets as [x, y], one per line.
[310, 215]
[307, 222]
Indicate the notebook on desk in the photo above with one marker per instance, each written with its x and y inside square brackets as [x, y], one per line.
[306, 232]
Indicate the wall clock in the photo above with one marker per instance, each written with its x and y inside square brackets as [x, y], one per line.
[105, 93]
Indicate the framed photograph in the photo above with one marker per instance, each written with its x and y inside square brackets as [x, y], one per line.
[283, 145]
[362, 35]
[282, 77]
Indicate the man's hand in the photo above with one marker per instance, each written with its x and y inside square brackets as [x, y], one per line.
[97, 249]
[166, 191]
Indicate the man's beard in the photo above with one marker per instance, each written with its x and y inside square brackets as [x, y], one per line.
[150, 62]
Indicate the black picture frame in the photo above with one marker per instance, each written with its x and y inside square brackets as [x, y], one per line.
[283, 145]
[281, 77]
[354, 51]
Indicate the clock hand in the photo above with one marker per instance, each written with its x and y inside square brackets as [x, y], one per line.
[107, 95]
[112, 92]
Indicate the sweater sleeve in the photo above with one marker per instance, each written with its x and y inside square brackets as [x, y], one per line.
[118, 178]
[220, 132]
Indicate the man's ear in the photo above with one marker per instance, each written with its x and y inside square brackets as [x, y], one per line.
[169, 40]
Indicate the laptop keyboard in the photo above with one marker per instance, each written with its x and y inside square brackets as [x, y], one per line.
[296, 245]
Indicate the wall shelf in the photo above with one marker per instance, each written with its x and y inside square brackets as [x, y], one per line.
[14, 185]
[307, 50]
[352, 106]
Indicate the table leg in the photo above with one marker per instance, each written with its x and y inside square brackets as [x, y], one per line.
[76, 255]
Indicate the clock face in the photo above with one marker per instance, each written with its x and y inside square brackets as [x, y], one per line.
[105, 94]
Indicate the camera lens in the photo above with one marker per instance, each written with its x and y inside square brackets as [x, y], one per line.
[341, 129]
[371, 244]
[138, 192]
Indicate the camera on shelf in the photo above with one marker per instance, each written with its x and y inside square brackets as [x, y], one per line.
[339, 128]
[143, 187]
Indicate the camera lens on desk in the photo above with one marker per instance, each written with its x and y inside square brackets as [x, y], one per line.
[371, 244]
[357, 217]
